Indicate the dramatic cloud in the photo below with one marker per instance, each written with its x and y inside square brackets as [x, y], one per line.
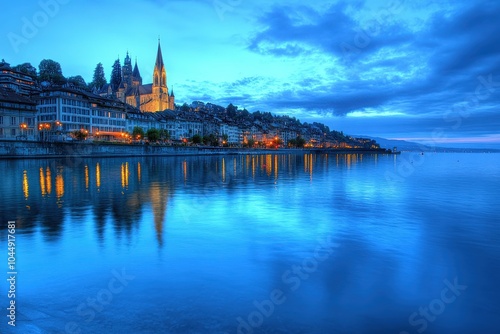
[430, 68]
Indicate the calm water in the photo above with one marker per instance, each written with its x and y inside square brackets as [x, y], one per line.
[255, 244]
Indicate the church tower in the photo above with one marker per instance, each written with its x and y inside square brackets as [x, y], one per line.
[127, 72]
[160, 90]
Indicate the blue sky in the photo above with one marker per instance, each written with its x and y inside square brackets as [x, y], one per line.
[420, 70]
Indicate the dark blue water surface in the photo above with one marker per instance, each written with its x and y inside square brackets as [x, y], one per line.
[255, 244]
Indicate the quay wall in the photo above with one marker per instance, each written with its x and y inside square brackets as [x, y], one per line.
[32, 149]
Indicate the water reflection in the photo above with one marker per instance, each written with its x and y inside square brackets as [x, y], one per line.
[123, 187]
[220, 232]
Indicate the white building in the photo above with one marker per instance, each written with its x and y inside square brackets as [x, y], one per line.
[233, 133]
[66, 109]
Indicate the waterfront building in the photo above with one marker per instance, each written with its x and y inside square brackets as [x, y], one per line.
[19, 82]
[233, 133]
[143, 120]
[66, 109]
[17, 116]
[180, 126]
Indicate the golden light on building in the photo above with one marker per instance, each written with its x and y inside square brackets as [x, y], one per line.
[25, 185]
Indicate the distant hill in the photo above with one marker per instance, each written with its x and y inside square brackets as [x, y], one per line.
[403, 145]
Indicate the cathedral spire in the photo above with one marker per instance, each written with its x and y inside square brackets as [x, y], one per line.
[136, 72]
[159, 58]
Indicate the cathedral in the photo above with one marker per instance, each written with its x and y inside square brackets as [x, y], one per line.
[150, 97]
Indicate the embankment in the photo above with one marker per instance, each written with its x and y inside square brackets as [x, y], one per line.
[29, 149]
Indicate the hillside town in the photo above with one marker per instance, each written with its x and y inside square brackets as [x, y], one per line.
[46, 106]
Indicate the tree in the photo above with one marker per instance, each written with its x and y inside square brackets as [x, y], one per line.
[164, 135]
[153, 135]
[250, 142]
[50, 71]
[185, 107]
[137, 133]
[116, 75]
[300, 141]
[99, 79]
[211, 140]
[27, 69]
[78, 81]
[80, 134]
[196, 139]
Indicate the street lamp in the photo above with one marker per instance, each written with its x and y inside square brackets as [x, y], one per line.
[23, 127]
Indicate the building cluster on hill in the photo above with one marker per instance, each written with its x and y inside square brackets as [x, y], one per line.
[32, 109]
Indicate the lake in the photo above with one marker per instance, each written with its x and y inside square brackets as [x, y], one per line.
[300, 243]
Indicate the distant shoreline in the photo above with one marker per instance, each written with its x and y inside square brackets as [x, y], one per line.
[43, 150]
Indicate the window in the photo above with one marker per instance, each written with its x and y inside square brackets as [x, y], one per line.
[13, 121]
[1, 120]
[13, 132]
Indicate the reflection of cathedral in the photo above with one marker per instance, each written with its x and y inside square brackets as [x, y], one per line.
[151, 97]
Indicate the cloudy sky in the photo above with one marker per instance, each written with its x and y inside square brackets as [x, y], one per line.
[427, 71]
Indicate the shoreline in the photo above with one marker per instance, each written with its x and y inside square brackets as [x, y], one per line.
[48, 150]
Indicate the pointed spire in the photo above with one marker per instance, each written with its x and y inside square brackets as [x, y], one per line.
[159, 58]
[172, 93]
[136, 72]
